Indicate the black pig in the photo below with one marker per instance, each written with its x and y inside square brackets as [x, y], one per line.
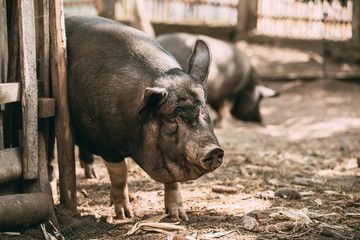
[233, 84]
[128, 97]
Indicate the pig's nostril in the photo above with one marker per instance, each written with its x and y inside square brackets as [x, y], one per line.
[208, 160]
[213, 159]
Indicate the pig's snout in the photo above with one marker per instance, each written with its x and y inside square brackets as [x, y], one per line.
[213, 158]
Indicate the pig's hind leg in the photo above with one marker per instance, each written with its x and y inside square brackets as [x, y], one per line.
[87, 163]
[119, 189]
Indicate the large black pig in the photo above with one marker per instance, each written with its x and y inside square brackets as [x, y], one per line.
[128, 97]
[233, 84]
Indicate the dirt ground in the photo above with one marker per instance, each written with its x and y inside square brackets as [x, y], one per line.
[309, 142]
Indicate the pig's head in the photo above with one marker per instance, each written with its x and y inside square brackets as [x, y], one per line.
[179, 141]
[247, 102]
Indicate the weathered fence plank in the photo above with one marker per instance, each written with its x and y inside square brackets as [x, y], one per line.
[13, 42]
[65, 142]
[29, 88]
[46, 107]
[356, 22]
[4, 58]
[3, 42]
[9, 92]
[43, 41]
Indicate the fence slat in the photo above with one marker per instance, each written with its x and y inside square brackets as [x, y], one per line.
[29, 87]
[3, 42]
[65, 142]
[46, 107]
[9, 92]
[4, 48]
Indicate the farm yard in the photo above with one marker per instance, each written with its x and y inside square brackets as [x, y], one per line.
[309, 142]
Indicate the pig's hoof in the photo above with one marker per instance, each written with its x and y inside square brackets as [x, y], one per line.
[124, 212]
[89, 171]
[177, 213]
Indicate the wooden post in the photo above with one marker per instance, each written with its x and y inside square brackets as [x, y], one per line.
[29, 88]
[252, 14]
[247, 16]
[3, 59]
[44, 74]
[108, 9]
[63, 131]
[13, 42]
[13, 45]
[356, 22]
[141, 19]
[43, 33]
[3, 42]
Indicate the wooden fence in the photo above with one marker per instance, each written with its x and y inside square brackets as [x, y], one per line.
[278, 18]
[186, 12]
[295, 19]
[27, 108]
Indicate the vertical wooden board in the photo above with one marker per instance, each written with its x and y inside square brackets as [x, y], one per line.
[356, 22]
[252, 14]
[242, 16]
[108, 9]
[13, 42]
[63, 129]
[13, 45]
[44, 69]
[29, 87]
[3, 42]
[43, 33]
[3, 59]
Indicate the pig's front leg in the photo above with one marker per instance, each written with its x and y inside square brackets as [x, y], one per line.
[119, 189]
[173, 201]
[223, 112]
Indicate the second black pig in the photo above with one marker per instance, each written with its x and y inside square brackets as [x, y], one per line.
[233, 84]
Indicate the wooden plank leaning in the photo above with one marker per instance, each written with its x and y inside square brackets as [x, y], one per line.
[4, 59]
[29, 88]
[63, 129]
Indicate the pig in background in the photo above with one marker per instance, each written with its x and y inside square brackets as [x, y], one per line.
[128, 97]
[233, 85]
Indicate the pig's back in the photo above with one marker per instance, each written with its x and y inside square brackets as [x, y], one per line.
[98, 39]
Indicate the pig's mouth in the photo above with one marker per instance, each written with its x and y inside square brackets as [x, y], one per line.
[183, 170]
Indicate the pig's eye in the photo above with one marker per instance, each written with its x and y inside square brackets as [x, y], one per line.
[172, 126]
[171, 120]
[203, 111]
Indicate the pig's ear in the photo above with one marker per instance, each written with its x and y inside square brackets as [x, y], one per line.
[153, 97]
[199, 62]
